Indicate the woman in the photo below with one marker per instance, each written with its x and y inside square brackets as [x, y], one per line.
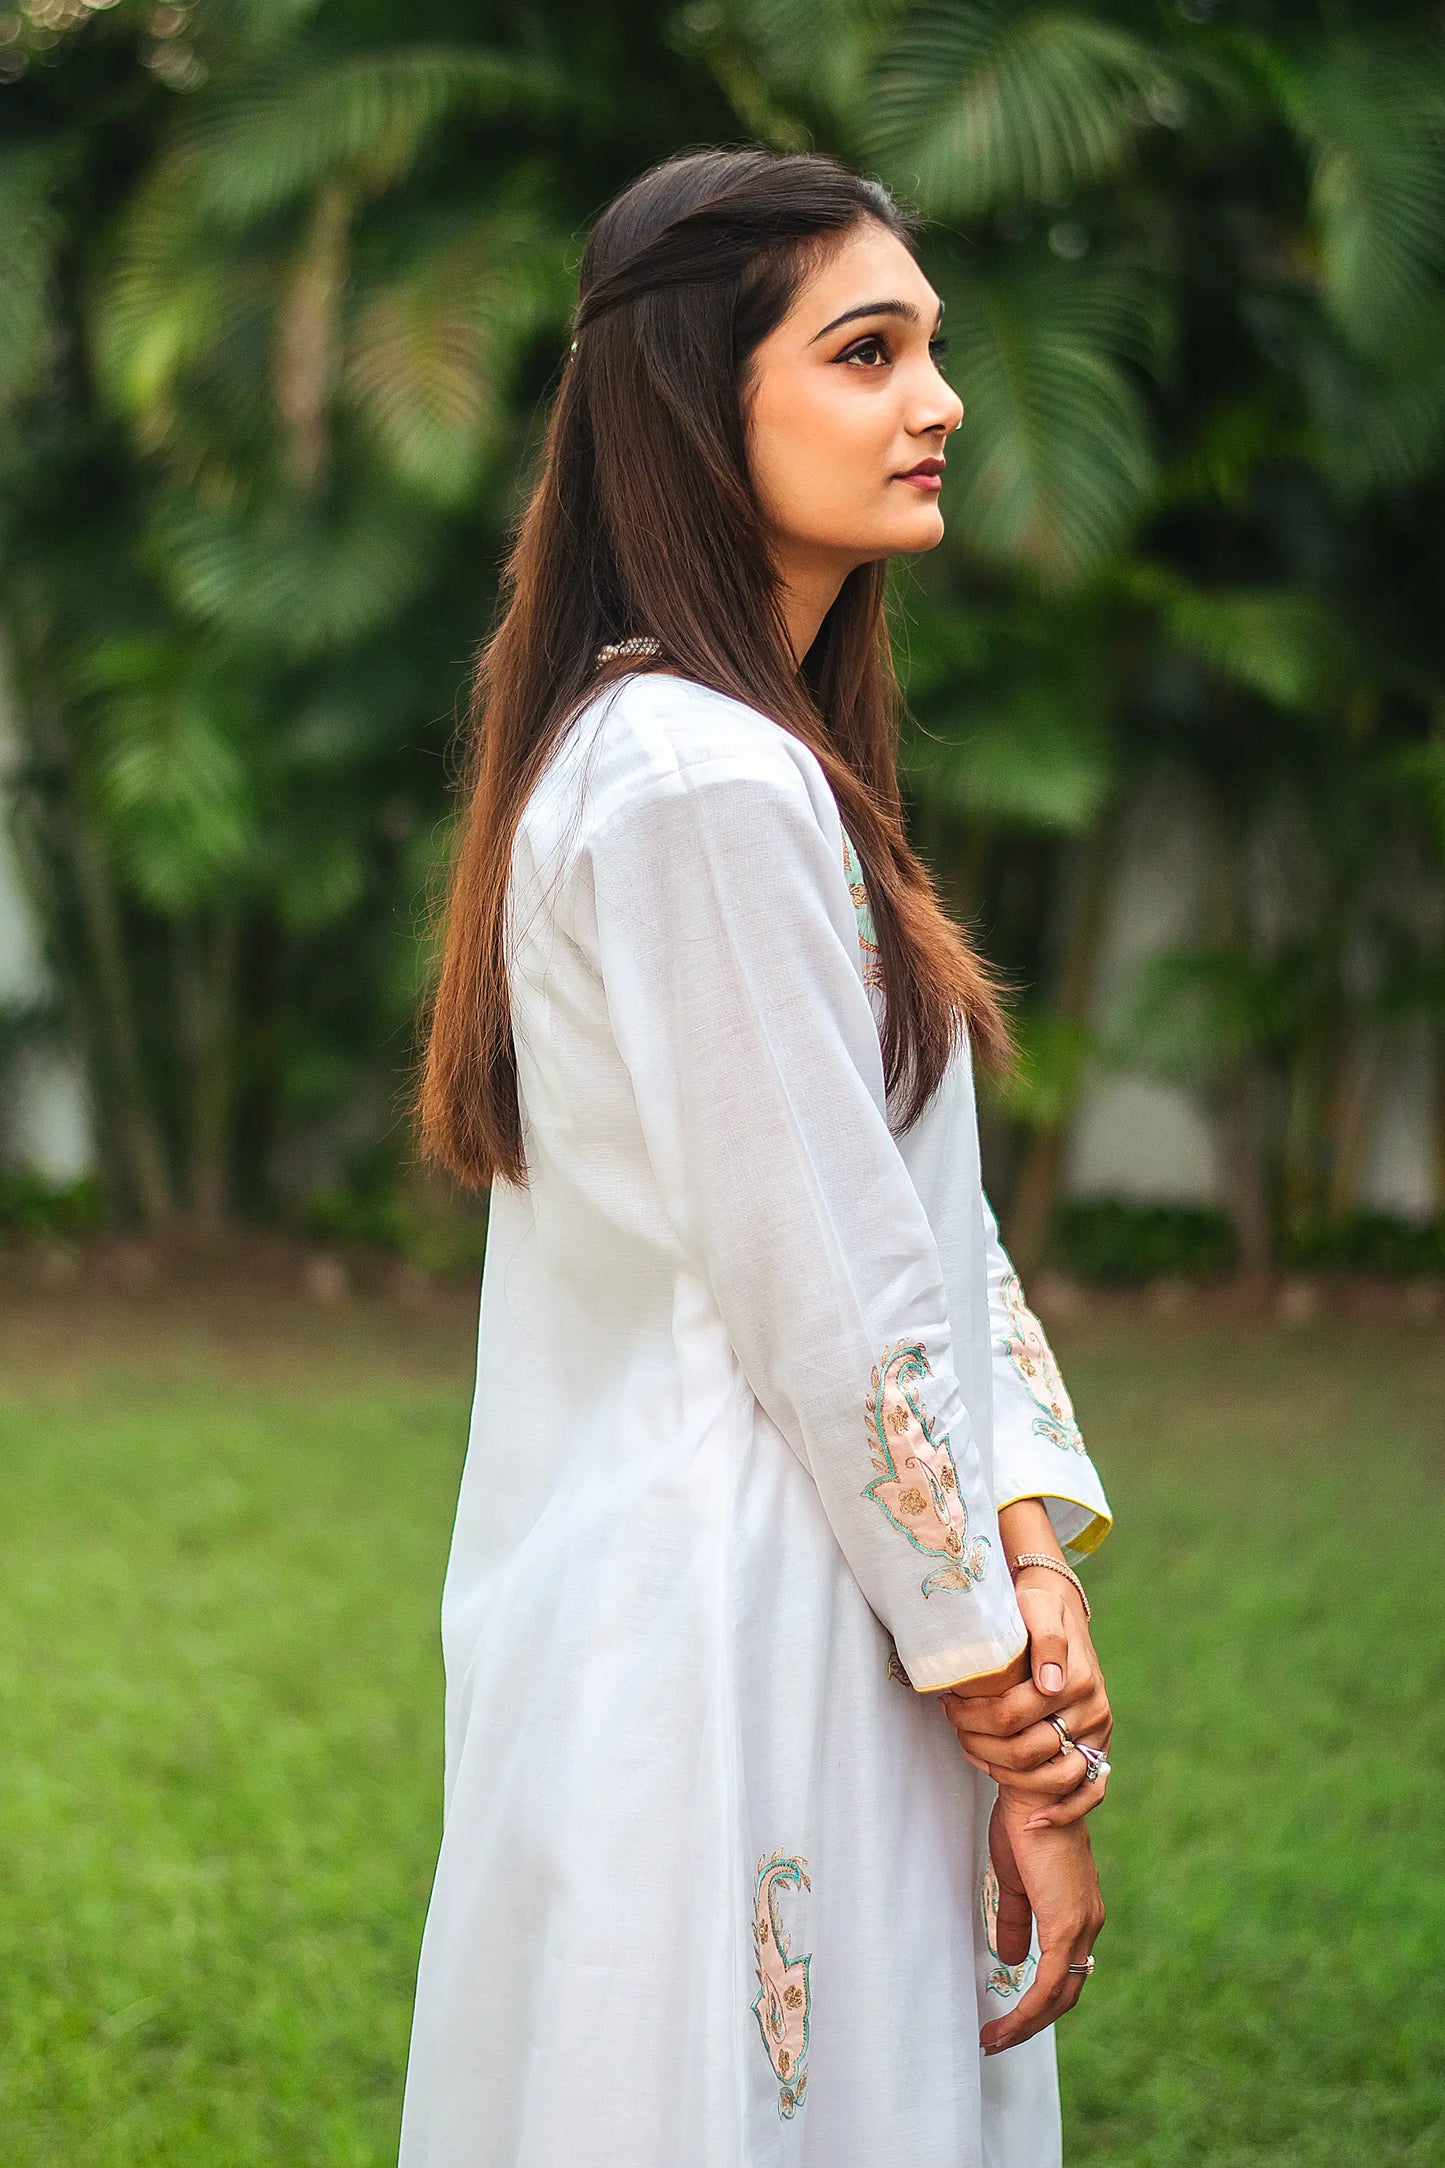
[766, 1760]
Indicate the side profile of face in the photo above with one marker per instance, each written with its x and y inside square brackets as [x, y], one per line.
[848, 413]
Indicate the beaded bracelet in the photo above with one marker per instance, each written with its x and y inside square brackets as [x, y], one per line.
[1042, 1558]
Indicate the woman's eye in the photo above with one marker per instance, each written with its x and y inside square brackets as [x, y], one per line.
[938, 348]
[869, 351]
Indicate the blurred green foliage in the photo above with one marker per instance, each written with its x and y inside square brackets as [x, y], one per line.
[33, 1206]
[283, 288]
[1112, 1240]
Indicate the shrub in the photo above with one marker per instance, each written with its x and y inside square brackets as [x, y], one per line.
[1115, 1239]
[30, 1204]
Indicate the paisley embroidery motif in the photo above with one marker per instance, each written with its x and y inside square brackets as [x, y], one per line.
[895, 1664]
[863, 910]
[917, 1482]
[783, 2003]
[1028, 1350]
[1003, 1979]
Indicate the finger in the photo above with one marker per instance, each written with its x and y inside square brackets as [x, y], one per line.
[1013, 1931]
[1079, 1802]
[1052, 1992]
[999, 1716]
[1026, 1750]
[1003, 1715]
[1049, 1655]
[1041, 1787]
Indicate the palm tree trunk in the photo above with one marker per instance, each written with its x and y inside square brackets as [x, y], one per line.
[309, 344]
[1355, 1104]
[1036, 1188]
[143, 1148]
[1239, 1127]
[205, 959]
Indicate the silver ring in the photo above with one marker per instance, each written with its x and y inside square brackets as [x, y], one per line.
[1097, 1760]
[1065, 1742]
[1087, 1966]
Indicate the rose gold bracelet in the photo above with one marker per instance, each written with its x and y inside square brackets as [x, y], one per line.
[1042, 1558]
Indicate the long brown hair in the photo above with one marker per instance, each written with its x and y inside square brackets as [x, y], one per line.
[643, 520]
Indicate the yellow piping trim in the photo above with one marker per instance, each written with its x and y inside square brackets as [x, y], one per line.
[979, 1682]
[1089, 1537]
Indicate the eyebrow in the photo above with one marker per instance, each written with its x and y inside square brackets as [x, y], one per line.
[905, 309]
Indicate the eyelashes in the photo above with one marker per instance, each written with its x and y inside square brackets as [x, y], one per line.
[876, 342]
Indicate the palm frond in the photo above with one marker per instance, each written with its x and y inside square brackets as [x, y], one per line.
[1055, 452]
[296, 577]
[1281, 643]
[988, 103]
[1029, 754]
[256, 149]
[1192, 1014]
[1373, 121]
[1042, 1089]
[29, 235]
[170, 785]
[1377, 423]
[165, 304]
[429, 359]
[790, 66]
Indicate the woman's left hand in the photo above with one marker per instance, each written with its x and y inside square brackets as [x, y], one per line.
[1008, 1736]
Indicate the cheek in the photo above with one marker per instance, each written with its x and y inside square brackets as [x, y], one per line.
[817, 451]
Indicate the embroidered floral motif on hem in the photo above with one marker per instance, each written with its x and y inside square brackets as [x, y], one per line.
[916, 1483]
[895, 1665]
[863, 910]
[1003, 1979]
[783, 2003]
[1028, 1350]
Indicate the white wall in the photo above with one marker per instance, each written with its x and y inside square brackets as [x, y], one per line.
[1134, 1138]
[46, 1122]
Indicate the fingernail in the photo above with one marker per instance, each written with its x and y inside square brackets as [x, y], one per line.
[1051, 1678]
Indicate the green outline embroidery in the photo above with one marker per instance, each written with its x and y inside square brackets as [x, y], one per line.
[1004, 1979]
[791, 1988]
[1027, 1348]
[936, 1498]
[863, 911]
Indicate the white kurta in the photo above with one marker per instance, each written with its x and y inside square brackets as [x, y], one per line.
[753, 1378]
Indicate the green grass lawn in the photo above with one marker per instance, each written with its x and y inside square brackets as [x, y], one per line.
[222, 1532]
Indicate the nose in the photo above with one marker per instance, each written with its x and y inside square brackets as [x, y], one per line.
[938, 410]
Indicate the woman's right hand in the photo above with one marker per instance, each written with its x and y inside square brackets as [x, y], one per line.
[1045, 1875]
[1009, 1736]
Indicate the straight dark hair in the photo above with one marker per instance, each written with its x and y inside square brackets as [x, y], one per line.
[644, 521]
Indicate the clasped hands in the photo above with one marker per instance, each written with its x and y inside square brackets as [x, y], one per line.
[1037, 1839]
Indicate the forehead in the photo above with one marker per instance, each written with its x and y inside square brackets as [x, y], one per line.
[868, 264]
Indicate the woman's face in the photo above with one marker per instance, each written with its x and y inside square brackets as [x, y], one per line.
[848, 413]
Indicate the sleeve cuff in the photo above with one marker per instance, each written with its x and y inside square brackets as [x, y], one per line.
[1080, 1524]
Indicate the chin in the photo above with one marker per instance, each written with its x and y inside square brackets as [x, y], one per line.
[910, 537]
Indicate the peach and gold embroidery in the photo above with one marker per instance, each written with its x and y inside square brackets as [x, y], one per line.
[863, 911]
[1003, 1979]
[1027, 1348]
[916, 1483]
[782, 2005]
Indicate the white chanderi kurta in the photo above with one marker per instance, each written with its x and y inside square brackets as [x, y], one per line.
[754, 1377]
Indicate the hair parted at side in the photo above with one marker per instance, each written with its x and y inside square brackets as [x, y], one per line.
[643, 521]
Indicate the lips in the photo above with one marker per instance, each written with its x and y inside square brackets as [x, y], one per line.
[928, 474]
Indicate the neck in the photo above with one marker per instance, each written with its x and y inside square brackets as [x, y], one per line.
[810, 584]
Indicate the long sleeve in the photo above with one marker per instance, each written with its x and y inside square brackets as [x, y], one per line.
[722, 923]
[1038, 1449]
